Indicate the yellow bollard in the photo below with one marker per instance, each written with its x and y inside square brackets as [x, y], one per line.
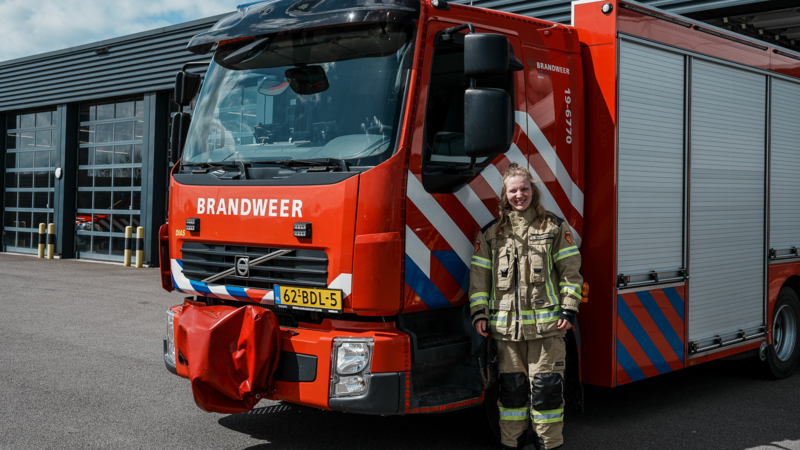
[139, 247]
[51, 240]
[42, 231]
[128, 236]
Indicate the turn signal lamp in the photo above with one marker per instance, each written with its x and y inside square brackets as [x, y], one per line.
[585, 293]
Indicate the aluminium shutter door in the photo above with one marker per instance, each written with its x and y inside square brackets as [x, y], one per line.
[784, 230]
[726, 221]
[651, 159]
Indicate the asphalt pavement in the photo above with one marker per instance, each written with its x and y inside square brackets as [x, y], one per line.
[81, 367]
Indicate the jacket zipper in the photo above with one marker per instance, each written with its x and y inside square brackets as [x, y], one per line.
[516, 293]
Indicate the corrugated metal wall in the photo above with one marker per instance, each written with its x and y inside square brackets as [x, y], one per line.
[146, 62]
[560, 10]
[134, 64]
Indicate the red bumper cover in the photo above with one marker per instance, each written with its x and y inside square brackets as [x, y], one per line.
[231, 355]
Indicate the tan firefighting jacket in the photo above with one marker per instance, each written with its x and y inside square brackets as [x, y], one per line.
[522, 274]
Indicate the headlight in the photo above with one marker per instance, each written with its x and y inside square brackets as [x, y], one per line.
[171, 335]
[351, 360]
[351, 357]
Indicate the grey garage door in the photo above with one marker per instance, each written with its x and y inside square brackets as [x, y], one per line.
[32, 143]
[728, 158]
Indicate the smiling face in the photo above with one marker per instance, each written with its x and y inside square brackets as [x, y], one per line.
[518, 192]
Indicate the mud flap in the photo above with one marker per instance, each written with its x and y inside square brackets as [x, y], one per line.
[231, 355]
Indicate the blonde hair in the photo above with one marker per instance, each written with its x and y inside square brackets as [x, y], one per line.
[515, 170]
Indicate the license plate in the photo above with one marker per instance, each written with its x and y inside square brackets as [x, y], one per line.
[309, 299]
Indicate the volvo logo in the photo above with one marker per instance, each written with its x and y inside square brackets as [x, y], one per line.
[243, 266]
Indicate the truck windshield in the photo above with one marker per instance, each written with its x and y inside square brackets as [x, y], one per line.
[327, 93]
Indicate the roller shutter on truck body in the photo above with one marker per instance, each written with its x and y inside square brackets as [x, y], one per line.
[651, 161]
[727, 200]
[784, 230]
[692, 178]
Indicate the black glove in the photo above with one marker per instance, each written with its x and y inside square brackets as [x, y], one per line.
[568, 315]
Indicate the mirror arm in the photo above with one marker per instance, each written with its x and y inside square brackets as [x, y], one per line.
[194, 64]
[448, 33]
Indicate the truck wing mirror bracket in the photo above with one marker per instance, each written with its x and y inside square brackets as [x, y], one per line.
[180, 127]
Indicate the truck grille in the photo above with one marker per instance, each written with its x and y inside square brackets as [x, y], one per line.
[303, 268]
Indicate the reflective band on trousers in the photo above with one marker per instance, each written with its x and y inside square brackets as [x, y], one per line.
[479, 298]
[564, 252]
[513, 413]
[550, 416]
[481, 262]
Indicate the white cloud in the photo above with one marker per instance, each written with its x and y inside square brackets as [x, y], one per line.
[29, 27]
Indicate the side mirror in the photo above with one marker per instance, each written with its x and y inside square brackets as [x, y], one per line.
[186, 86]
[485, 54]
[488, 122]
[180, 126]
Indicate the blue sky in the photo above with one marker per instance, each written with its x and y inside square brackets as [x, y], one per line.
[29, 27]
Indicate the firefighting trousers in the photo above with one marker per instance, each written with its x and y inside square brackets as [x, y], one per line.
[532, 388]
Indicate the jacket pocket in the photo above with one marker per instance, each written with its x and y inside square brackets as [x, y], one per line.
[547, 315]
[505, 269]
[501, 315]
[539, 259]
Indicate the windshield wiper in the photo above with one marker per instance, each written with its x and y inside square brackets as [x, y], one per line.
[203, 167]
[318, 162]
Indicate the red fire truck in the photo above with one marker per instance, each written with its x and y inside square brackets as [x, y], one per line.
[343, 156]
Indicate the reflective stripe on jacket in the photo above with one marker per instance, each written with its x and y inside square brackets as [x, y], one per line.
[522, 274]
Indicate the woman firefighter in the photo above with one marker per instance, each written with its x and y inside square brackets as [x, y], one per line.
[525, 289]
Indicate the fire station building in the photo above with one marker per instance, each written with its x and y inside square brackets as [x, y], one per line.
[87, 128]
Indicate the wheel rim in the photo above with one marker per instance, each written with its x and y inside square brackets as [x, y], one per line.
[784, 332]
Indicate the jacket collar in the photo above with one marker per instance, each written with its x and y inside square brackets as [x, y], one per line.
[522, 217]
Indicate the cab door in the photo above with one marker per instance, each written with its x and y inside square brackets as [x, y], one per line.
[444, 209]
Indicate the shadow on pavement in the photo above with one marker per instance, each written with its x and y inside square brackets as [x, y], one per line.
[287, 426]
[717, 405]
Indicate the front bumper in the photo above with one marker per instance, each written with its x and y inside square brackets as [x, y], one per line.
[304, 372]
[383, 396]
[167, 361]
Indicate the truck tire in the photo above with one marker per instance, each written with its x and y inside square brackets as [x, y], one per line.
[784, 352]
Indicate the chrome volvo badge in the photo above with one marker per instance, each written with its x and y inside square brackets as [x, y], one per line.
[242, 266]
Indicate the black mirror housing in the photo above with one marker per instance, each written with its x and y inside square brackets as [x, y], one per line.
[186, 86]
[307, 80]
[485, 54]
[488, 122]
[180, 128]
